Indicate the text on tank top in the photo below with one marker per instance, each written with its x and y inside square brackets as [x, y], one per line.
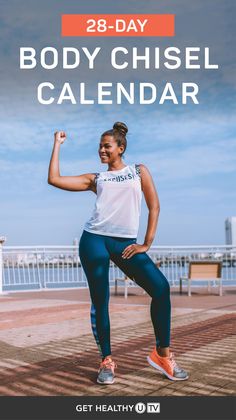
[118, 204]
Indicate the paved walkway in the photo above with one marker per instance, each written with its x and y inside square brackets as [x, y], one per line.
[47, 348]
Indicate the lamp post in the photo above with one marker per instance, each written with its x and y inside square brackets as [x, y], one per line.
[2, 240]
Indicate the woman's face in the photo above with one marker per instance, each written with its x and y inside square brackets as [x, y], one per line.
[109, 151]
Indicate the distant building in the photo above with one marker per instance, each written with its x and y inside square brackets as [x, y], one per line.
[230, 230]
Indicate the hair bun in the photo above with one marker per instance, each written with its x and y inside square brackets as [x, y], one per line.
[121, 127]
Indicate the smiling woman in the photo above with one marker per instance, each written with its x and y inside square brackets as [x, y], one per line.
[111, 234]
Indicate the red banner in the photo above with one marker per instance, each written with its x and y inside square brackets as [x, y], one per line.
[118, 25]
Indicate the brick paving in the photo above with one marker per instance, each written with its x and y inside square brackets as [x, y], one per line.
[47, 348]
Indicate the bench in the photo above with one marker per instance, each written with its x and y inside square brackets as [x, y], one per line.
[127, 282]
[203, 271]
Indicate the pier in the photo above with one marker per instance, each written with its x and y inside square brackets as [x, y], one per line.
[47, 347]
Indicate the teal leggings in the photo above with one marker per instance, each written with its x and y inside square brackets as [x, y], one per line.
[95, 253]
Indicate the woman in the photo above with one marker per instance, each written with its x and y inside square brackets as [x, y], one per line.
[111, 233]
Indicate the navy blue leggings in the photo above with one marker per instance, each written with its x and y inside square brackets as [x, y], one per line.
[95, 252]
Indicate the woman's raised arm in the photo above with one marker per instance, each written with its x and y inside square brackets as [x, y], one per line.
[82, 182]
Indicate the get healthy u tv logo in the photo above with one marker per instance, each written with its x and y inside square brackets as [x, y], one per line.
[140, 408]
[150, 408]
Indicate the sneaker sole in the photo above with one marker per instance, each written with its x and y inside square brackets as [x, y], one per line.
[172, 378]
[105, 382]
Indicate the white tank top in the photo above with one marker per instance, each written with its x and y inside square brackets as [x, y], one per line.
[118, 204]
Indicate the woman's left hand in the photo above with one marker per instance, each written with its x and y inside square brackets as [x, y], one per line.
[133, 249]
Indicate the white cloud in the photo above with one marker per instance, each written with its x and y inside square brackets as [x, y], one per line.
[24, 130]
[187, 149]
[194, 161]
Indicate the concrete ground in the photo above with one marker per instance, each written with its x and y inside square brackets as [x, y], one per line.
[47, 347]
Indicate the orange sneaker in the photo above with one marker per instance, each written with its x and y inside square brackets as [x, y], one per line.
[167, 366]
[106, 373]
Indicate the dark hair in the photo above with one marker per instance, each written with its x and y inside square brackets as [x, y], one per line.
[119, 132]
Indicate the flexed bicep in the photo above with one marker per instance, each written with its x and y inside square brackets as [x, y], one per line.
[82, 182]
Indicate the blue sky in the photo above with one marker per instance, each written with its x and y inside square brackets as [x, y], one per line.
[190, 150]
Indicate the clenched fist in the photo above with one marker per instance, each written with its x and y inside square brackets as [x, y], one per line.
[60, 136]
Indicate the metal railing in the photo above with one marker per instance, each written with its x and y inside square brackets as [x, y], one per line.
[45, 267]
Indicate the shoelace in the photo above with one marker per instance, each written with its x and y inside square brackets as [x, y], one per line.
[173, 362]
[108, 364]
